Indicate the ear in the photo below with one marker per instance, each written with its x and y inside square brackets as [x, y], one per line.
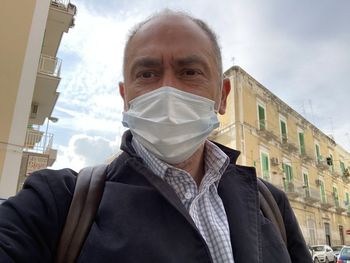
[226, 88]
[122, 93]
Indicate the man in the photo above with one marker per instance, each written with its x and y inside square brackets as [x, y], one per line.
[171, 196]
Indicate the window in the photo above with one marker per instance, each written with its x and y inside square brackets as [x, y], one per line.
[283, 126]
[265, 165]
[312, 231]
[318, 153]
[331, 163]
[342, 167]
[336, 196]
[341, 235]
[306, 184]
[287, 169]
[322, 192]
[327, 230]
[301, 143]
[262, 118]
[347, 200]
[288, 177]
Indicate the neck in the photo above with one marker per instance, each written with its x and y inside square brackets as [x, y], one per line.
[194, 165]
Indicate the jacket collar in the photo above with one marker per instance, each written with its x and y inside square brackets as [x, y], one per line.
[239, 194]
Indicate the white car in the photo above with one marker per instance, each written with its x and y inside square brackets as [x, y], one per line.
[323, 253]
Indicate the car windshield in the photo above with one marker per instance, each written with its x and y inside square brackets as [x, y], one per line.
[318, 248]
[345, 252]
[337, 248]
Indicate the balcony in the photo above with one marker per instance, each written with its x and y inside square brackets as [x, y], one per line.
[37, 141]
[222, 131]
[64, 5]
[322, 164]
[45, 91]
[310, 195]
[306, 157]
[293, 188]
[60, 19]
[50, 66]
[288, 144]
[327, 201]
[340, 207]
[265, 130]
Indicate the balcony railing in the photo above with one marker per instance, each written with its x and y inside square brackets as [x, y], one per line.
[265, 130]
[293, 188]
[288, 143]
[322, 164]
[340, 207]
[327, 201]
[65, 5]
[310, 195]
[50, 66]
[306, 157]
[38, 141]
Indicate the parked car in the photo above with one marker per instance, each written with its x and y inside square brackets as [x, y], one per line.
[323, 253]
[336, 250]
[344, 255]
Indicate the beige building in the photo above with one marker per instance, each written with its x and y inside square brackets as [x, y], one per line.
[292, 154]
[31, 32]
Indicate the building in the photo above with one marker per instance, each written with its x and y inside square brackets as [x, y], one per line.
[31, 32]
[291, 153]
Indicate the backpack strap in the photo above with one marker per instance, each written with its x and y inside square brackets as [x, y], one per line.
[270, 209]
[86, 199]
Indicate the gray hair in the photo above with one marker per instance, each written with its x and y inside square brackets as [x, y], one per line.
[210, 33]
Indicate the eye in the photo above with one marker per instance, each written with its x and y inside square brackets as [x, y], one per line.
[190, 72]
[147, 74]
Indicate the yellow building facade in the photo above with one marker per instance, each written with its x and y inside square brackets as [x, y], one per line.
[31, 32]
[292, 154]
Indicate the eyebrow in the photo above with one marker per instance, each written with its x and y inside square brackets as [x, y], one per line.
[145, 62]
[149, 62]
[190, 60]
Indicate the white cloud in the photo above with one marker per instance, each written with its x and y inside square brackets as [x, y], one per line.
[83, 150]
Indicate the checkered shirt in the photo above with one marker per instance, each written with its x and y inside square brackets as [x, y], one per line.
[203, 203]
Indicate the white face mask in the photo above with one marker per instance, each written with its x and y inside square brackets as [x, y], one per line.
[170, 123]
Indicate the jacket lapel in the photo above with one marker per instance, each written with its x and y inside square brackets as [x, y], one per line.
[239, 194]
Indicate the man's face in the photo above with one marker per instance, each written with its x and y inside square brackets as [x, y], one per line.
[172, 51]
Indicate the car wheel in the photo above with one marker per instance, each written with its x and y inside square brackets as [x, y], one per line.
[316, 260]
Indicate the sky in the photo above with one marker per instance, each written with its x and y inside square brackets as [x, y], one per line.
[299, 50]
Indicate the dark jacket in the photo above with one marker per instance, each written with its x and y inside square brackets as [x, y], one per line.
[141, 219]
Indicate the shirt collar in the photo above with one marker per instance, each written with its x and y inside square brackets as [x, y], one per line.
[215, 161]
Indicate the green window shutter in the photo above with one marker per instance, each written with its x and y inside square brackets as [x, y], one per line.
[347, 198]
[335, 195]
[261, 112]
[306, 180]
[306, 184]
[323, 193]
[288, 172]
[283, 130]
[265, 165]
[332, 166]
[318, 152]
[342, 166]
[302, 143]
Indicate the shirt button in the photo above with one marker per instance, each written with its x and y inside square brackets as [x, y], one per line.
[188, 195]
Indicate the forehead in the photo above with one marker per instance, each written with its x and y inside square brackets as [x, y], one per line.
[169, 35]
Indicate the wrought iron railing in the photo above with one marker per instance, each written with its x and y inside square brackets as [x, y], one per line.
[37, 141]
